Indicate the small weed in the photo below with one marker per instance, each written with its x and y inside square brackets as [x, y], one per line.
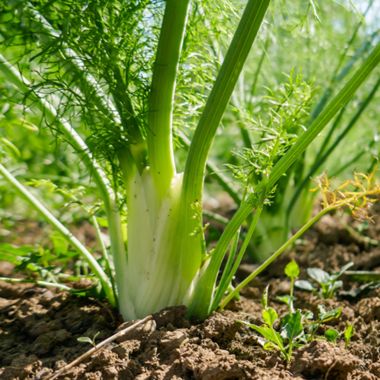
[289, 334]
[86, 339]
[347, 334]
[297, 327]
[328, 284]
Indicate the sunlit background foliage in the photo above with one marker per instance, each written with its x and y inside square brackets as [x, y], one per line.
[303, 51]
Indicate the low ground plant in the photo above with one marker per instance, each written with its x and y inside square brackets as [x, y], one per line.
[296, 327]
[327, 284]
[113, 80]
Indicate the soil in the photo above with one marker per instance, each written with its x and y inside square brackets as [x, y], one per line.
[39, 327]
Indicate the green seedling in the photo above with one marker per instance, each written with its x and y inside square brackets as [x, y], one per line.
[324, 316]
[328, 284]
[86, 339]
[292, 271]
[289, 334]
[297, 327]
[332, 335]
[293, 330]
[347, 334]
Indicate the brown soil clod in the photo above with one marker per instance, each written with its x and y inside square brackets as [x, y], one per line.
[39, 330]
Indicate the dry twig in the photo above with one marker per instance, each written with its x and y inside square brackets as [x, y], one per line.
[96, 348]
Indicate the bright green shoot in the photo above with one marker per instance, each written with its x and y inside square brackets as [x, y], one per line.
[296, 327]
[116, 79]
[328, 284]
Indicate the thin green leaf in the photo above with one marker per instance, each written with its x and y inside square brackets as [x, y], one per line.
[269, 316]
[13, 150]
[325, 316]
[85, 339]
[348, 333]
[344, 269]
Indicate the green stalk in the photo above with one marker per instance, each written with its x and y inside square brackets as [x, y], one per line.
[274, 256]
[205, 286]
[37, 282]
[97, 173]
[224, 283]
[219, 97]
[213, 171]
[103, 248]
[259, 67]
[201, 143]
[161, 99]
[37, 205]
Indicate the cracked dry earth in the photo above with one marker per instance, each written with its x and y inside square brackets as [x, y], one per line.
[39, 328]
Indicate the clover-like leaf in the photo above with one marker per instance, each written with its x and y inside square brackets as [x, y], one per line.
[332, 335]
[304, 285]
[269, 316]
[292, 325]
[292, 270]
[318, 275]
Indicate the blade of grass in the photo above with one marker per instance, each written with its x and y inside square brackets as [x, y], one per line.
[228, 273]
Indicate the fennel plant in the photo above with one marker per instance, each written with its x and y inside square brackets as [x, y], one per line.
[103, 76]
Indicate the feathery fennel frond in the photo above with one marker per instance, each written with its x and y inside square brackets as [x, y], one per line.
[285, 111]
[97, 34]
